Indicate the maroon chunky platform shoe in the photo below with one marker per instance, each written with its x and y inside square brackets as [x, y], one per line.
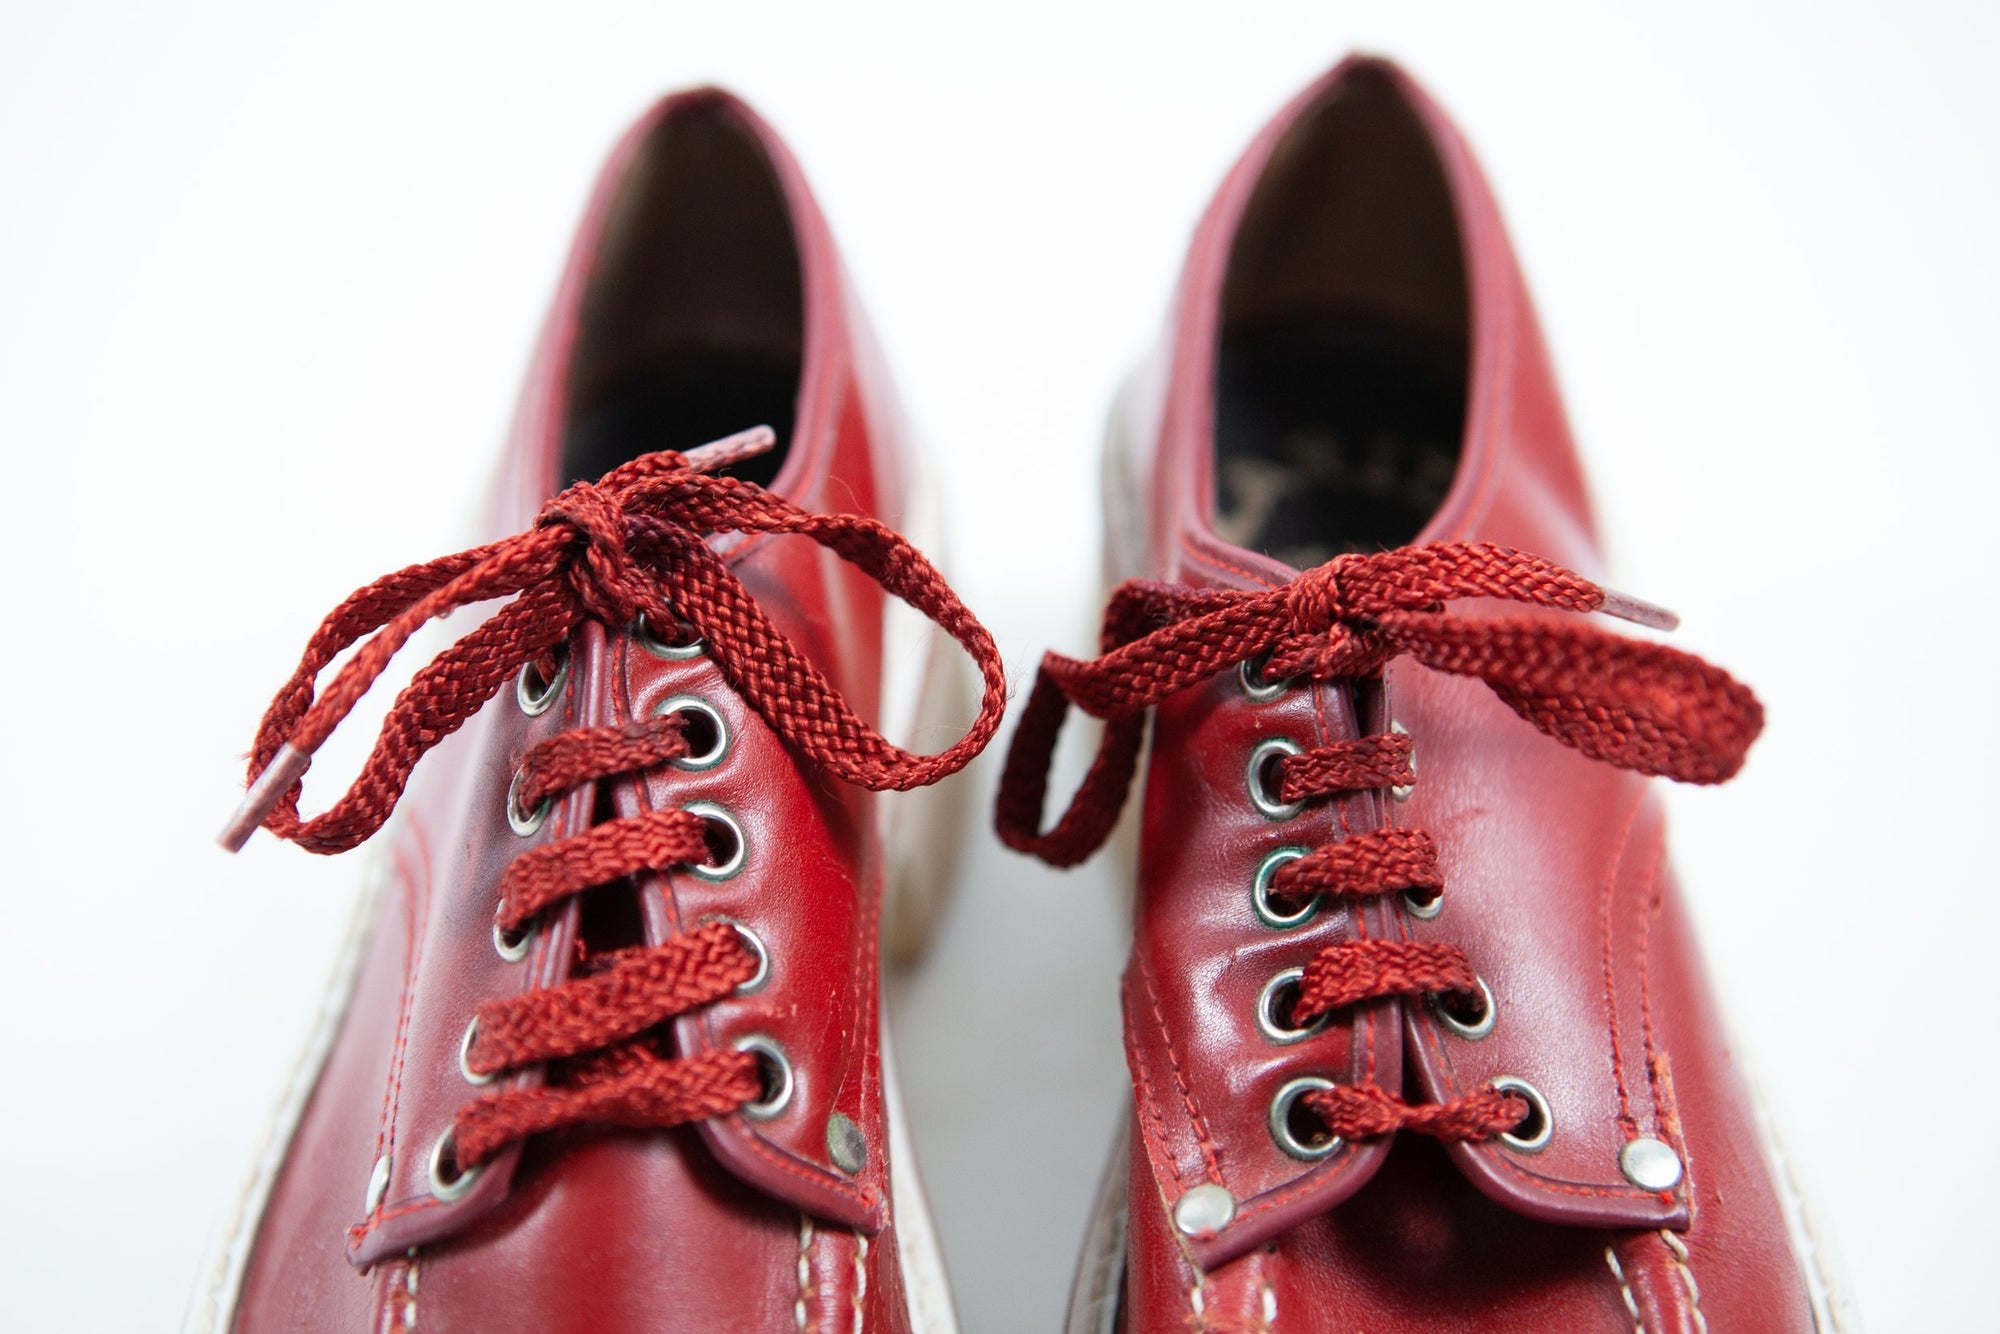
[608, 1053]
[1419, 1038]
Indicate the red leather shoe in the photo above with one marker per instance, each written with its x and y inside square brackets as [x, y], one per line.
[610, 1057]
[1418, 1035]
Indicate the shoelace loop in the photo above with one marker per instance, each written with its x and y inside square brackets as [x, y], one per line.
[632, 544]
[1638, 705]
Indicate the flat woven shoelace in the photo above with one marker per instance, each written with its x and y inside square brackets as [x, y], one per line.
[632, 545]
[1638, 705]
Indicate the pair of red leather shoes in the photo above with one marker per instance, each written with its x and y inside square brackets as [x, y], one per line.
[1417, 1033]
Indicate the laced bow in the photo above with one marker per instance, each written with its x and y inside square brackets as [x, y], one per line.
[1637, 705]
[629, 546]
[632, 544]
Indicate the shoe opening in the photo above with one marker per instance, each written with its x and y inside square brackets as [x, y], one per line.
[693, 322]
[1343, 356]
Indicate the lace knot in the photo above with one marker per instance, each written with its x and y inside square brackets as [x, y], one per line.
[600, 573]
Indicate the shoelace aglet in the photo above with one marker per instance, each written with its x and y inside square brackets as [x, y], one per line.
[719, 454]
[1638, 611]
[286, 768]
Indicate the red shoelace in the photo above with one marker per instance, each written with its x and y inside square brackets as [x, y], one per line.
[1638, 705]
[627, 548]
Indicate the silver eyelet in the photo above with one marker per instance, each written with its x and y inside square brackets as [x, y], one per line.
[445, 1191]
[525, 825]
[708, 810]
[536, 701]
[1479, 1027]
[1402, 791]
[694, 704]
[1280, 1120]
[659, 648]
[1260, 893]
[1422, 909]
[1257, 686]
[513, 946]
[378, 1185]
[1274, 1026]
[780, 1097]
[755, 944]
[465, 1055]
[1541, 1121]
[1267, 805]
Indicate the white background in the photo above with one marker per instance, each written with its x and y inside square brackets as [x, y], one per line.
[268, 275]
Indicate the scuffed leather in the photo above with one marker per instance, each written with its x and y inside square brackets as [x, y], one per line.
[1557, 889]
[725, 1225]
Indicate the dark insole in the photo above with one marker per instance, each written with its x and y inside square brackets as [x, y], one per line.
[1331, 437]
[687, 402]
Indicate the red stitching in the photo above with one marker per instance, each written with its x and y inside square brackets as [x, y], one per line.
[1610, 997]
[1155, 1131]
[1201, 1132]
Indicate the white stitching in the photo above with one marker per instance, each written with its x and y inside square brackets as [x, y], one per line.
[1624, 1290]
[1269, 1309]
[860, 1278]
[805, 1270]
[1680, 1254]
[410, 1292]
[1195, 1300]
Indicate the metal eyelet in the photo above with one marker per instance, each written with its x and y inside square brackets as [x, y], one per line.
[1541, 1122]
[1280, 1120]
[1274, 1026]
[1422, 909]
[513, 946]
[535, 700]
[1266, 804]
[1477, 1028]
[659, 648]
[443, 1189]
[1402, 791]
[755, 944]
[1260, 893]
[779, 1067]
[525, 825]
[708, 810]
[465, 1055]
[1257, 686]
[698, 707]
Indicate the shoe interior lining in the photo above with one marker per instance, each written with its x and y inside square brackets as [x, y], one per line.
[693, 325]
[1342, 364]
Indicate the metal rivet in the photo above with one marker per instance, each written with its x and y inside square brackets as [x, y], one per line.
[1423, 909]
[1278, 1027]
[1540, 1127]
[1471, 1029]
[527, 824]
[1650, 1164]
[447, 1189]
[378, 1184]
[535, 699]
[465, 1055]
[778, 1069]
[1402, 791]
[1280, 1120]
[845, 1144]
[1256, 685]
[513, 946]
[752, 942]
[1260, 893]
[695, 705]
[1269, 806]
[731, 864]
[659, 648]
[1205, 1209]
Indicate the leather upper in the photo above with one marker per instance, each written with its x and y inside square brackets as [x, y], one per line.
[731, 1223]
[1556, 888]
